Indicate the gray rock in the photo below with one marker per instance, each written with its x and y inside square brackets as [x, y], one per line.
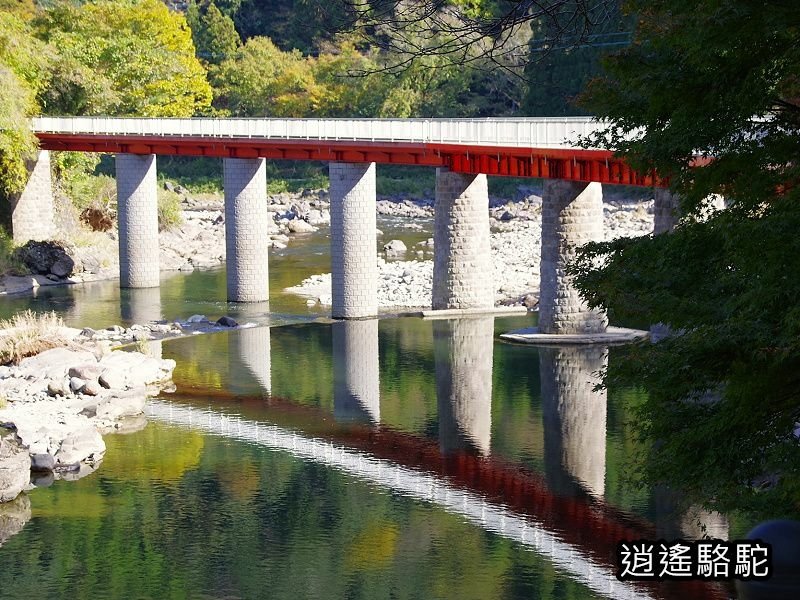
[85, 371]
[92, 388]
[82, 445]
[76, 384]
[113, 379]
[51, 277]
[123, 405]
[15, 469]
[300, 226]
[54, 363]
[168, 186]
[57, 388]
[196, 319]
[13, 517]
[531, 300]
[226, 321]
[40, 257]
[394, 247]
[43, 462]
[63, 267]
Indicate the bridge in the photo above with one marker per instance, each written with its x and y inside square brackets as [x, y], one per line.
[464, 152]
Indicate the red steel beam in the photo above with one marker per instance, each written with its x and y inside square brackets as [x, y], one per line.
[560, 163]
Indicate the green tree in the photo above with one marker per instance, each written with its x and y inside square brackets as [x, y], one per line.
[719, 79]
[213, 32]
[23, 68]
[138, 55]
[262, 80]
[560, 66]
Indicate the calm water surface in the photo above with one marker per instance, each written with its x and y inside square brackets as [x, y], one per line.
[394, 459]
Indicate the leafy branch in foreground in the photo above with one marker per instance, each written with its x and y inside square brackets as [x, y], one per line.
[718, 81]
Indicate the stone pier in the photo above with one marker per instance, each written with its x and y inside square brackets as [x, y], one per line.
[462, 263]
[574, 418]
[137, 213]
[666, 207]
[246, 229]
[572, 215]
[356, 371]
[32, 216]
[463, 353]
[354, 268]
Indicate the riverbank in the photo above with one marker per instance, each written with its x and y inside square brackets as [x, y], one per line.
[71, 388]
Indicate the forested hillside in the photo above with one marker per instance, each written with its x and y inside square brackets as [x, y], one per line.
[280, 58]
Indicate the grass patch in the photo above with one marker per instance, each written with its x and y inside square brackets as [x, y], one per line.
[169, 210]
[9, 262]
[28, 333]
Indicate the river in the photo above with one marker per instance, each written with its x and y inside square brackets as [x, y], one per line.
[400, 458]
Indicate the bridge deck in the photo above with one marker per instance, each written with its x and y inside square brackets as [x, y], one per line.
[546, 148]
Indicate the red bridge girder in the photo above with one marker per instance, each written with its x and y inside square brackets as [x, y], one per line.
[569, 164]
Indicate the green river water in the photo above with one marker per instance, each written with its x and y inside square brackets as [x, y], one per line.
[396, 459]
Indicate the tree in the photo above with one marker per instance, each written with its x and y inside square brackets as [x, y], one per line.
[262, 80]
[718, 79]
[23, 67]
[556, 73]
[213, 32]
[136, 56]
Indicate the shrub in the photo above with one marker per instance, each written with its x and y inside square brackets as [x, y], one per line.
[28, 333]
[169, 210]
[9, 262]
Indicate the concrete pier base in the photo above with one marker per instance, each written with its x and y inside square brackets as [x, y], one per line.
[32, 215]
[462, 262]
[354, 268]
[463, 353]
[572, 215]
[246, 229]
[137, 213]
[356, 371]
[574, 419]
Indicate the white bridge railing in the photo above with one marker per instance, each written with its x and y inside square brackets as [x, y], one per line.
[560, 132]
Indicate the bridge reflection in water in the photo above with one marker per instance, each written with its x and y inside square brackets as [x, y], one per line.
[561, 514]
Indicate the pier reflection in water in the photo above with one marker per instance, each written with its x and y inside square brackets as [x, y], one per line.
[574, 418]
[141, 306]
[250, 351]
[463, 352]
[356, 371]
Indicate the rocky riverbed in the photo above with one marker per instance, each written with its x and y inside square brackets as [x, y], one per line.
[516, 254]
[404, 273]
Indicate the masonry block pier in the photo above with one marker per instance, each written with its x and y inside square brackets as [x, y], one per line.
[462, 262]
[137, 212]
[246, 228]
[32, 208]
[572, 215]
[354, 269]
